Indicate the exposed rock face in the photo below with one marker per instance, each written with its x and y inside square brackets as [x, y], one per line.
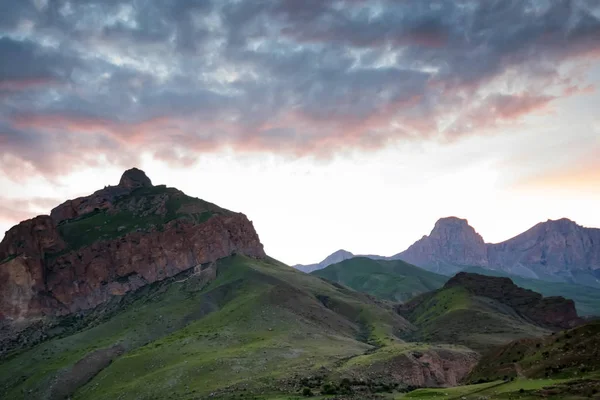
[550, 312]
[102, 199]
[134, 178]
[437, 367]
[112, 242]
[23, 273]
[553, 248]
[451, 244]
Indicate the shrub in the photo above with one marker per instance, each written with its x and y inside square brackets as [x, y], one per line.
[329, 388]
[306, 392]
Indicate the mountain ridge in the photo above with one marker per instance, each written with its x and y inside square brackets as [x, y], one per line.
[552, 250]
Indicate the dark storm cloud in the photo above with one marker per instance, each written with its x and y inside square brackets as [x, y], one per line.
[91, 80]
[25, 62]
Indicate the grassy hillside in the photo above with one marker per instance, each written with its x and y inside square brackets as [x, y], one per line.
[563, 365]
[453, 315]
[259, 328]
[391, 280]
[586, 298]
[560, 355]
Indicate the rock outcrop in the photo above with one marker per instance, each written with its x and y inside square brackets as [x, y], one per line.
[558, 250]
[548, 312]
[112, 242]
[434, 367]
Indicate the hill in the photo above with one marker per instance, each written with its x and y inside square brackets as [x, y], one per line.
[564, 354]
[480, 311]
[392, 280]
[586, 298]
[259, 327]
[564, 365]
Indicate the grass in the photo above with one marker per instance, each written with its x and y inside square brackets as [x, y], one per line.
[575, 352]
[453, 315]
[392, 280]
[9, 258]
[138, 211]
[253, 329]
[524, 389]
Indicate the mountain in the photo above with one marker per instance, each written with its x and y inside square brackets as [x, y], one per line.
[140, 291]
[333, 258]
[554, 250]
[392, 280]
[480, 311]
[112, 242]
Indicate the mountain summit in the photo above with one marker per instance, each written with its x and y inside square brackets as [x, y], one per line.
[452, 243]
[134, 178]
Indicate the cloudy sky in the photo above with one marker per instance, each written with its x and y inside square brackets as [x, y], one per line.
[332, 124]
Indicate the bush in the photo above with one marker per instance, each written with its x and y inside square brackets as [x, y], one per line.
[329, 388]
[306, 392]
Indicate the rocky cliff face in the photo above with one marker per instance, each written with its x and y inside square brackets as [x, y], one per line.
[556, 249]
[548, 312]
[114, 241]
[551, 247]
[452, 243]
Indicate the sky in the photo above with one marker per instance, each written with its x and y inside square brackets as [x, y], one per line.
[331, 124]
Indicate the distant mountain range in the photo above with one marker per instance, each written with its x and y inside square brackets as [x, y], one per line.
[558, 251]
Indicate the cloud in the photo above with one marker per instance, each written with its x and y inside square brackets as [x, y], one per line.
[88, 82]
[12, 209]
[26, 64]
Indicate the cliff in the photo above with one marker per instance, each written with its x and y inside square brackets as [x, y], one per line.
[112, 242]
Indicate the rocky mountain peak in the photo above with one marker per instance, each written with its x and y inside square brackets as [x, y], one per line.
[134, 178]
[451, 242]
[454, 228]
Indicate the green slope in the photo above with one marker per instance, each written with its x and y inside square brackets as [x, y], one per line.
[259, 328]
[573, 352]
[586, 298]
[453, 315]
[564, 365]
[392, 280]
